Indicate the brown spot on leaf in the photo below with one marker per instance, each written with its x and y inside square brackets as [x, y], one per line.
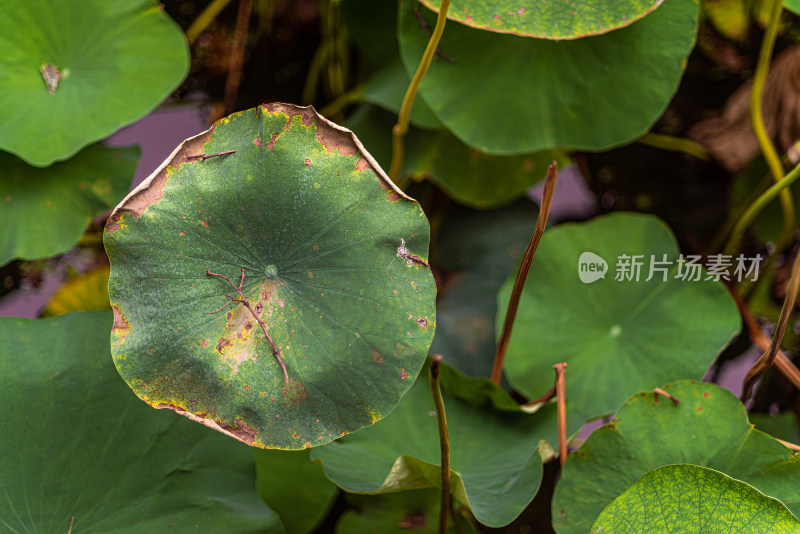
[363, 165]
[377, 356]
[222, 343]
[273, 138]
[204, 223]
[204, 344]
[121, 327]
[308, 162]
[257, 141]
[403, 373]
[422, 322]
[411, 259]
[294, 393]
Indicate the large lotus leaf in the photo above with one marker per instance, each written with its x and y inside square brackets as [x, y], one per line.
[465, 174]
[690, 498]
[547, 20]
[495, 463]
[45, 211]
[75, 443]
[295, 488]
[506, 94]
[793, 6]
[708, 427]
[399, 513]
[74, 72]
[479, 250]
[617, 336]
[333, 260]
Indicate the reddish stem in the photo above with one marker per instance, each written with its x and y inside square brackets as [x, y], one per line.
[242, 300]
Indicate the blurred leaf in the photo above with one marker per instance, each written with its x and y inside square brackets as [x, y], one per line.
[465, 174]
[108, 62]
[334, 262]
[85, 292]
[708, 427]
[295, 488]
[617, 336]
[510, 95]
[398, 513]
[77, 444]
[731, 18]
[479, 250]
[495, 463]
[547, 20]
[782, 426]
[45, 211]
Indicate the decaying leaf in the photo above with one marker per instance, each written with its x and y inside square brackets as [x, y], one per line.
[730, 137]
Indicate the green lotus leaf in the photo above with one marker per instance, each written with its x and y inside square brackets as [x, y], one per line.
[793, 6]
[74, 72]
[336, 309]
[546, 20]
[619, 331]
[690, 498]
[399, 513]
[45, 211]
[506, 94]
[79, 453]
[495, 462]
[295, 488]
[465, 174]
[708, 427]
[478, 250]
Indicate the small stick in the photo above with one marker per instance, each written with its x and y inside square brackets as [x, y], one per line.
[659, 391]
[561, 395]
[70, 525]
[444, 441]
[782, 362]
[544, 398]
[522, 274]
[427, 29]
[206, 156]
[768, 358]
[242, 300]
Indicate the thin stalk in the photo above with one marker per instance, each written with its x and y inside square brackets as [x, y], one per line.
[676, 144]
[444, 440]
[767, 359]
[401, 128]
[757, 336]
[561, 399]
[757, 117]
[344, 100]
[204, 19]
[237, 54]
[756, 207]
[522, 274]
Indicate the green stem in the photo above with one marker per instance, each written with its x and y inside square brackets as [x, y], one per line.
[522, 274]
[757, 118]
[204, 19]
[677, 144]
[444, 440]
[350, 97]
[401, 128]
[756, 207]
